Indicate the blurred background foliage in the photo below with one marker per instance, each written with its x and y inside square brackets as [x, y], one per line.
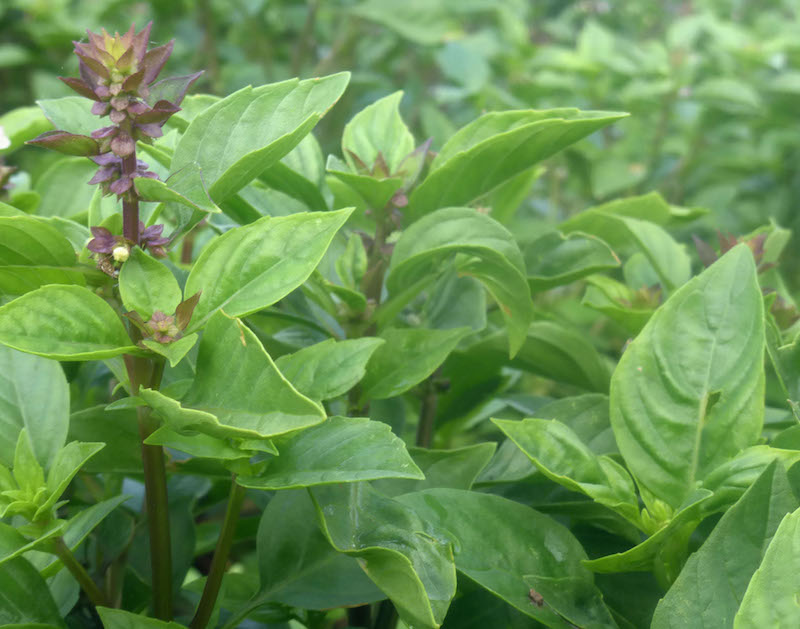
[713, 86]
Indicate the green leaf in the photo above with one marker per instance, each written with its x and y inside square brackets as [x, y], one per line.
[688, 393]
[450, 469]
[641, 557]
[403, 554]
[237, 392]
[67, 463]
[236, 139]
[491, 256]
[65, 323]
[196, 445]
[340, 450]
[489, 531]
[378, 129]
[118, 429]
[189, 181]
[27, 471]
[406, 359]
[297, 565]
[376, 192]
[70, 113]
[712, 583]
[120, 619]
[22, 124]
[771, 596]
[13, 544]
[24, 596]
[496, 147]
[146, 285]
[561, 456]
[627, 235]
[34, 395]
[329, 369]
[554, 259]
[173, 352]
[64, 187]
[28, 241]
[18, 280]
[618, 302]
[249, 268]
[352, 264]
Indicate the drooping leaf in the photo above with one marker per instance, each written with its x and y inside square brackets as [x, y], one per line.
[491, 256]
[688, 392]
[329, 369]
[249, 268]
[33, 395]
[236, 139]
[297, 564]
[496, 147]
[403, 554]
[65, 323]
[488, 533]
[406, 359]
[560, 455]
[237, 391]
[147, 285]
[711, 585]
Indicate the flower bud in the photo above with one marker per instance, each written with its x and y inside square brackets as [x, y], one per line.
[121, 253]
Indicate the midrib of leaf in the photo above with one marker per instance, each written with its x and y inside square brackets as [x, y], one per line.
[702, 415]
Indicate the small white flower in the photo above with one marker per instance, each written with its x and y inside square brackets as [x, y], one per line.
[121, 253]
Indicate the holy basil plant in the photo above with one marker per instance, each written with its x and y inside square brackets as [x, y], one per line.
[245, 385]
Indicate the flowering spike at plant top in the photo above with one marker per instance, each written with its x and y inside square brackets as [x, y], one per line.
[152, 240]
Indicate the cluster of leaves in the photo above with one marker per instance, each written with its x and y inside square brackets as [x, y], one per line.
[431, 409]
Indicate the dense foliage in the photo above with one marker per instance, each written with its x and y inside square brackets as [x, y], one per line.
[513, 347]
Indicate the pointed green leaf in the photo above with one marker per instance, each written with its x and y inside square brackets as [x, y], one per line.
[340, 450]
[403, 554]
[771, 599]
[189, 181]
[66, 464]
[65, 323]
[492, 257]
[376, 192]
[13, 544]
[711, 585]
[688, 393]
[237, 391]
[561, 456]
[249, 268]
[329, 369]
[173, 352]
[406, 359]
[488, 534]
[236, 139]
[146, 285]
[33, 395]
[496, 147]
[378, 128]
[196, 445]
[27, 471]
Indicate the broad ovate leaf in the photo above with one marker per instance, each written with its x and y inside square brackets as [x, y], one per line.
[237, 138]
[65, 323]
[339, 450]
[249, 268]
[237, 390]
[147, 285]
[688, 393]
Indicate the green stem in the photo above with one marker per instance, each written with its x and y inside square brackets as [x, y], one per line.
[220, 560]
[427, 413]
[79, 572]
[146, 372]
